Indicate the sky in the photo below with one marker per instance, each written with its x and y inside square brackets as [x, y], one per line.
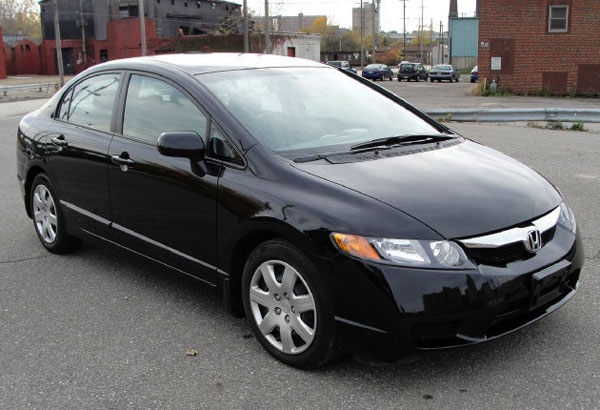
[340, 11]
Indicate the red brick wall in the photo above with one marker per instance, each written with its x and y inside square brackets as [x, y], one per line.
[536, 53]
[27, 58]
[2, 58]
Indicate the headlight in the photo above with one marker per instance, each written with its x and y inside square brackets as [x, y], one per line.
[567, 218]
[404, 252]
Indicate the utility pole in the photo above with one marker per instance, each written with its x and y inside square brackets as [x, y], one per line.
[82, 21]
[59, 60]
[440, 43]
[362, 53]
[404, 28]
[267, 29]
[421, 36]
[443, 45]
[246, 39]
[374, 33]
[142, 25]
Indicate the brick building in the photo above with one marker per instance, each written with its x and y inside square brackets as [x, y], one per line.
[111, 29]
[2, 59]
[539, 45]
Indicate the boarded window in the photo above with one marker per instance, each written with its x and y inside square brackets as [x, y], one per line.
[556, 83]
[588, 79]
[505, 49]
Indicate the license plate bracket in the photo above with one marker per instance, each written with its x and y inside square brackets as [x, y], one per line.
[548, 284]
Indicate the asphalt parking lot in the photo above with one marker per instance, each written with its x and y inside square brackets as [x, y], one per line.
[101, 330]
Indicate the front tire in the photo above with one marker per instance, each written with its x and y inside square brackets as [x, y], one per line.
[288, 305]
[48, 217]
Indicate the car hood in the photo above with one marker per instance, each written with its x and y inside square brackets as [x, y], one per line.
[459, 191]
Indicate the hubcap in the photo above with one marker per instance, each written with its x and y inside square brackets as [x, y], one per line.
[44, 213]
[283, 307]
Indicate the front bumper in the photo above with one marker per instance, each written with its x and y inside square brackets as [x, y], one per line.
[372, 76]
[441, 76]
[401, 311]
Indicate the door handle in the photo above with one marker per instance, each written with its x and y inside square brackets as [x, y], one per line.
[59, 141]
[122, 161]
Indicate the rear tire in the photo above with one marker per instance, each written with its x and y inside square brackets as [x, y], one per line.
[288, 305]
[48, 218]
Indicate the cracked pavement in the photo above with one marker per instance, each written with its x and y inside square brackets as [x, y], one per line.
[100, 329]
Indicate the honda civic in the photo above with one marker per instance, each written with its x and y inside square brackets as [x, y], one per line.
[364, 227]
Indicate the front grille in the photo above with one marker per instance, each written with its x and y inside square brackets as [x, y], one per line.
[505, 254]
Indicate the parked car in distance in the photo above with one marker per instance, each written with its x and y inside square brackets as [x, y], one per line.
[444, 72]
[411, 71]
[344, 65]
[377, 72]
[474, 74]
[364, 227]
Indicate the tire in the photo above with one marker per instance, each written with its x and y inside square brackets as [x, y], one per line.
[432, 80]
[48, 217]
[399, 79]
[271, 309]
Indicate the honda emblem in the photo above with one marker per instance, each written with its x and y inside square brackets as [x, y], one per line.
[534, 241]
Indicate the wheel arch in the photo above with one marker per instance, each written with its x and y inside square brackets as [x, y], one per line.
[254, 234]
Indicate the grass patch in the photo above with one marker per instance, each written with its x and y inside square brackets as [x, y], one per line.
[578, 126]
[555, 125]
[446, 118]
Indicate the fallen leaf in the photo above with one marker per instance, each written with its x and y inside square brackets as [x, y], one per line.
[191, 352]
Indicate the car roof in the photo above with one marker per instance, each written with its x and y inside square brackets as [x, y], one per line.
[210, 62]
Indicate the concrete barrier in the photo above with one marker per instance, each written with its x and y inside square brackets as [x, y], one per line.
[516, 114]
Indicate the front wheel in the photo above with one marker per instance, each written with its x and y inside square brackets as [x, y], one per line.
[48, 218]
[287, 303]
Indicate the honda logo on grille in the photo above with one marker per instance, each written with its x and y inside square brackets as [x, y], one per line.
[534, 241]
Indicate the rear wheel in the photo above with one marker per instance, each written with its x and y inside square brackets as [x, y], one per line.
[48, 218]
[288, 305]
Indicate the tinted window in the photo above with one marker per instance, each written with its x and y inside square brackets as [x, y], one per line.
[154, 106]
[221, 148]
[92, 102]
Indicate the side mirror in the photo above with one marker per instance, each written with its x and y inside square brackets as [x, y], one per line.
[185, 144]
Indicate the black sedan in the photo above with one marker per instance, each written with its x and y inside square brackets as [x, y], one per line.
[444, 72]
[377, 72]
[412, 71]
[362, 227]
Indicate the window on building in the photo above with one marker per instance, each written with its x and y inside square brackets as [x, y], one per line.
[198, 4]
[172, 2]
[27, 47]
[558, 22]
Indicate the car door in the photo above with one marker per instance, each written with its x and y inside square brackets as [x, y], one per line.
[162, 207]
[78, 150]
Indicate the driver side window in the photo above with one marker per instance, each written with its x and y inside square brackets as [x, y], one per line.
[154, 106]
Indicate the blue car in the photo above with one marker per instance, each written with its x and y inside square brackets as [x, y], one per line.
[475, 74]
[377, 72]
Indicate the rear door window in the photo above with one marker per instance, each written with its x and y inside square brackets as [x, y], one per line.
[92, 102]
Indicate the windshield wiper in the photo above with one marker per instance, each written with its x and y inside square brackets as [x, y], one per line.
[387, 142]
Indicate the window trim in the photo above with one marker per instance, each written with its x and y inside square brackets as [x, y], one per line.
[113, 114]
[558, 6]
[212, 122]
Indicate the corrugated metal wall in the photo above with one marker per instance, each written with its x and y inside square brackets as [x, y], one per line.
[464, 34]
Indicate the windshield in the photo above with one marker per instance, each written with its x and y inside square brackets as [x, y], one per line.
[310, 110]
[442, 67]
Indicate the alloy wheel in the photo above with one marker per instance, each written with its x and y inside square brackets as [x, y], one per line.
[283, 307]
[44, 214]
